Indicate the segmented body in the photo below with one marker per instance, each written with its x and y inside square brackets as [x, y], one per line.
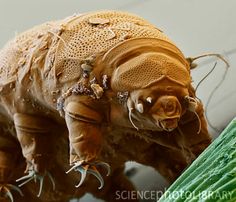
[74, 71]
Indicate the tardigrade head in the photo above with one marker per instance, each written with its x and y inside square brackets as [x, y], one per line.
[158, 107]
[157, 77]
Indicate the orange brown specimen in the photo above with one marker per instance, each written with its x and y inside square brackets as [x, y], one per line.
[90, 93]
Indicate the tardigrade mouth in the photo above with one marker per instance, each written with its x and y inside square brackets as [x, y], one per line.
[169, 124]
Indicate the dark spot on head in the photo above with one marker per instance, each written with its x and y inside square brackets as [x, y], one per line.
[169, 89]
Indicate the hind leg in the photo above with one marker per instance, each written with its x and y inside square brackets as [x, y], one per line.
[42, 154]
[34, 136]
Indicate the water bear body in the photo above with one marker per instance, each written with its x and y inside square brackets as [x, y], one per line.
[94, 91]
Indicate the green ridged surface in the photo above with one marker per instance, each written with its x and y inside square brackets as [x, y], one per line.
[212, 176]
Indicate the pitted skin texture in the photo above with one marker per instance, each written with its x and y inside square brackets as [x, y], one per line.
[90, 93]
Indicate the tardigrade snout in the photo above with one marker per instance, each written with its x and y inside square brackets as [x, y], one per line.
[166, 112]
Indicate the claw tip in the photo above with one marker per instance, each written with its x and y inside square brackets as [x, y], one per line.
[100, 187]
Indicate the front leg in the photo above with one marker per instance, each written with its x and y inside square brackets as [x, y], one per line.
[85, 135]
[33, 134]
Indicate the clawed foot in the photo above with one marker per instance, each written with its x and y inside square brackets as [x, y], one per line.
[5, 190]
[89, 168]
[33, 175]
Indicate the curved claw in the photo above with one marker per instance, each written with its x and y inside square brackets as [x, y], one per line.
[15, 188]
[52, 180]
[90, 168]
[7, 189]
[105, 165]
[33, 175]
[95, 172]
[8, 194]
[83, 171]
[41, 179]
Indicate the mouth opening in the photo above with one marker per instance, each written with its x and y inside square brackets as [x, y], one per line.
[169, 124]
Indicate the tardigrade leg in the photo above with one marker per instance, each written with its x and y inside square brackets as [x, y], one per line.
[85, 135]
[9, 166]
[33, 134]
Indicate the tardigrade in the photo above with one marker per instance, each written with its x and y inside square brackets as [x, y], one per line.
[86, 94]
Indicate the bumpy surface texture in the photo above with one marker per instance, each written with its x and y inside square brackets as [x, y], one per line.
[92, 92]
